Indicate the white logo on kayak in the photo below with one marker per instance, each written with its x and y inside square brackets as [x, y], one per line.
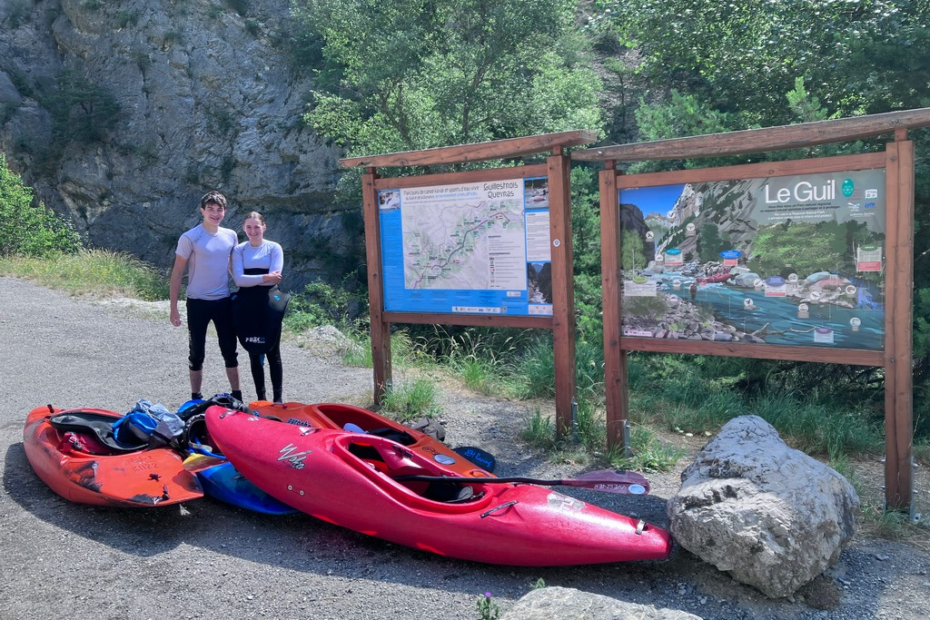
[558, 501]
[296, 459]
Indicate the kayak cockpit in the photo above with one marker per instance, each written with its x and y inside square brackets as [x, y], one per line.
[384, 461]
[101, 427]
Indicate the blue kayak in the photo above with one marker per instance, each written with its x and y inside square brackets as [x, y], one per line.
[224, 483]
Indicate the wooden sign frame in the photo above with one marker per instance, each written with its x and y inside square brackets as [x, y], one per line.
[557, 171]
[895, 359]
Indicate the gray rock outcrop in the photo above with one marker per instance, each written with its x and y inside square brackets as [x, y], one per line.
[208, 97]
[769, 515]
[559, 603]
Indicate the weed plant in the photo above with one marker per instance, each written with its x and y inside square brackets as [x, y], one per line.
[358, 353]
[648, 452]
[539, 431]
[411, 400]
[487, 608]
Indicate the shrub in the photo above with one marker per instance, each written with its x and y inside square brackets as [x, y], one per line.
[29, 230]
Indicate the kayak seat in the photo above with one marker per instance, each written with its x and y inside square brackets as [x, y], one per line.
[96, 424]
[404, 439]
[367, 453]
[451, 493]
[437, 491]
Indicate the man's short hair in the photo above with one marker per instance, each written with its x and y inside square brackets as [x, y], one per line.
[214, 197]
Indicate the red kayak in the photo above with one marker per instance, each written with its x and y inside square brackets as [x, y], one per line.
[338, 416]
[714, 279]
[76, 454]
[355, 480]
[222, 481]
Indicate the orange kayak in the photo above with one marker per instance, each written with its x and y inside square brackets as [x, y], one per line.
[57, 447]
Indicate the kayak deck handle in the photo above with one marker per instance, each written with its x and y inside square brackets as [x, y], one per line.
[501, 507]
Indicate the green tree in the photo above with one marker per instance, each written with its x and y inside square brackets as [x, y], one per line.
[81, 111]
[29, 230]
[678, 116]
[415, 74]
[709, 242]
[634, 256]
[856, 55]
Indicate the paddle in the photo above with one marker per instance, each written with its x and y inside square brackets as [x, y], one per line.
[607, 480]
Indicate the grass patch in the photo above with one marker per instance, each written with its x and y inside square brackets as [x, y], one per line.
[590, 426]
[586, 445]
[535, 372]
[412, 400]
[91, 272]
[874, 519]
[539, 431]
[814, 428]
[649, 453]
[922, 452]
[358, 353]
[478, 374]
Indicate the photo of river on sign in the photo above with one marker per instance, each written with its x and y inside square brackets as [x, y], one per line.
[792, 260]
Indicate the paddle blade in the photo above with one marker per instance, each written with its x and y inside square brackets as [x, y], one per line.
[611, 481]
[477, 456]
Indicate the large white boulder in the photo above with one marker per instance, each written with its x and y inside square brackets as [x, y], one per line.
[769, 515]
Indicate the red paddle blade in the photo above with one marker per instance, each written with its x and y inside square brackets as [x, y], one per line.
[611, 481]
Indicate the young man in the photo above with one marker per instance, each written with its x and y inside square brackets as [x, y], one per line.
[205, 251]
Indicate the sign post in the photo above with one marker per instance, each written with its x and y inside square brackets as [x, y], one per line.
[489, 247]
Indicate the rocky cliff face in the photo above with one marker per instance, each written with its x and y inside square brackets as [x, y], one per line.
[121, 114]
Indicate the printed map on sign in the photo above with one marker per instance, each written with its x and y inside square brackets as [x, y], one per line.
[793, 260]
[464, 237]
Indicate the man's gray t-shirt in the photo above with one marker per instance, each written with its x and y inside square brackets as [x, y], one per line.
[207, 261]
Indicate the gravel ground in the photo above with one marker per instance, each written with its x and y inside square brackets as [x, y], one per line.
[205, 559]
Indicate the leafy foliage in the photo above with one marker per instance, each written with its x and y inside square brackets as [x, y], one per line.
[29, 230]
[415, 74]
[319, 304]
[82, 112]
[861, 56]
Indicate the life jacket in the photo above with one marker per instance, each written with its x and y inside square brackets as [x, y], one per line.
[258, 312]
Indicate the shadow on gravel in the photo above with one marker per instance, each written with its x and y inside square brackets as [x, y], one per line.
[206, 531]
[296, 542]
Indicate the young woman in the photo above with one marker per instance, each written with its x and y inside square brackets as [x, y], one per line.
[258, 306]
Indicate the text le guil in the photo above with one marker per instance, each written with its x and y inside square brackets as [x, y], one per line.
[803, 192]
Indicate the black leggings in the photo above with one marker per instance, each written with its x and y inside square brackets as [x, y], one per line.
[199, 314]
[275, 368]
